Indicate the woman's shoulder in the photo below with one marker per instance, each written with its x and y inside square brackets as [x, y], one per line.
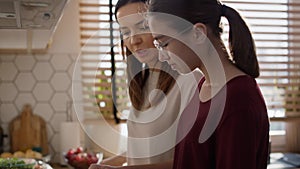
[242, 82]
[243, 88]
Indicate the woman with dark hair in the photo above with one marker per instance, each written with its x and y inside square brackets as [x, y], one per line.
[155, 93]
[231, 130]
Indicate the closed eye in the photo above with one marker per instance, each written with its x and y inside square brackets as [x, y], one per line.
[125, 33]
[162, 43]
[143, 25]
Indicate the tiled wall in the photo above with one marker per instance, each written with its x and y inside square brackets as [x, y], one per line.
[45, 82]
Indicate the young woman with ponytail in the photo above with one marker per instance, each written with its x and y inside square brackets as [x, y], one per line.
[230, 129]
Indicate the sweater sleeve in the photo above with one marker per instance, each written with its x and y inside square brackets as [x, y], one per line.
[241, 132]
[235, 141]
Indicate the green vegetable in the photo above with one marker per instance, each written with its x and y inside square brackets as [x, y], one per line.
[14, 163]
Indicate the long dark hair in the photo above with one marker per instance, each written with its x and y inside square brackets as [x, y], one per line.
[138, 73]
[209, 12]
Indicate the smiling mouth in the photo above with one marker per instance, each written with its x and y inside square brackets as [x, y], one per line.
[141, 52]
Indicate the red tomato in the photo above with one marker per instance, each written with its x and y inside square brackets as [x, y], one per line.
[79, 150]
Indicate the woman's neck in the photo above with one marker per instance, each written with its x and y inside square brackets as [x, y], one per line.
[221, 69]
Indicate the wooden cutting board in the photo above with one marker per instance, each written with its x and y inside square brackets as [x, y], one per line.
[28, 131]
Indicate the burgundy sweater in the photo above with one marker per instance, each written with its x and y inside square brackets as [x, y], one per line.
[238, 139]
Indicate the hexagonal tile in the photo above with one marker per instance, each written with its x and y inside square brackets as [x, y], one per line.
[55, 142]
[51, 151]
[43, 91]
[8, 92]
[75, 72]
[25, 62]
[25, 82]
[50, 132]
[8, 112]
[42, 57]
[42, 71]
[59, 101]
[60, 62]
[8, 71]
[75, 92]
[44, 110]
[24, 98]
[70, 92]
[60, 81]
[57, 119]
[8, 57]
[56, 157]
[71, 69]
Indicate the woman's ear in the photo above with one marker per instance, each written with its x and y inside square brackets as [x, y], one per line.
[199, 32]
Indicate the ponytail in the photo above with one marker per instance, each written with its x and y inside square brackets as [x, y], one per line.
[241, 44]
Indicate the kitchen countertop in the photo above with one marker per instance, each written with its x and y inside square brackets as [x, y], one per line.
[277, 164]
[58, 166]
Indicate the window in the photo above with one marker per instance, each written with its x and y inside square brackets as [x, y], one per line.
[275, 25]
[103, 68]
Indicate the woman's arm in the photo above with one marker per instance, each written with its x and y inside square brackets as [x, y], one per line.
[164, 165]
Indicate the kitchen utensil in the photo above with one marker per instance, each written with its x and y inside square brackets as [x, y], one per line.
[28, 131]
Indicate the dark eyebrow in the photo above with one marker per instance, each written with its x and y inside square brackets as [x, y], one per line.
[140, 22]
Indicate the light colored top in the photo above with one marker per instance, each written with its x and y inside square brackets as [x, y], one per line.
[152, 133]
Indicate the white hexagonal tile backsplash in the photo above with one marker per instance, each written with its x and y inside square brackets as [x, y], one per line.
[8, 92]
[50, 131]
[60, 81]
[57, 119]
[43, 71]
[8, 71]
[54, 143]
[59, 102]
[24, 98]
[42, 57]
[25, 82]
[8, 57]
[44, 110]
[8, 112]
[42, 80]
[61, 62]
[43, 91]
[25, 62]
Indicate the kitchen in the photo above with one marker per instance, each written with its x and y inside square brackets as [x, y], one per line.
[46, 74]
[43, 77]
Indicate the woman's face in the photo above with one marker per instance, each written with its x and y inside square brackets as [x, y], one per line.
[136, 34]
[172, 48]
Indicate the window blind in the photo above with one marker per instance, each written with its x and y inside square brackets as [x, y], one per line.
[275, 25]
[103, 68]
